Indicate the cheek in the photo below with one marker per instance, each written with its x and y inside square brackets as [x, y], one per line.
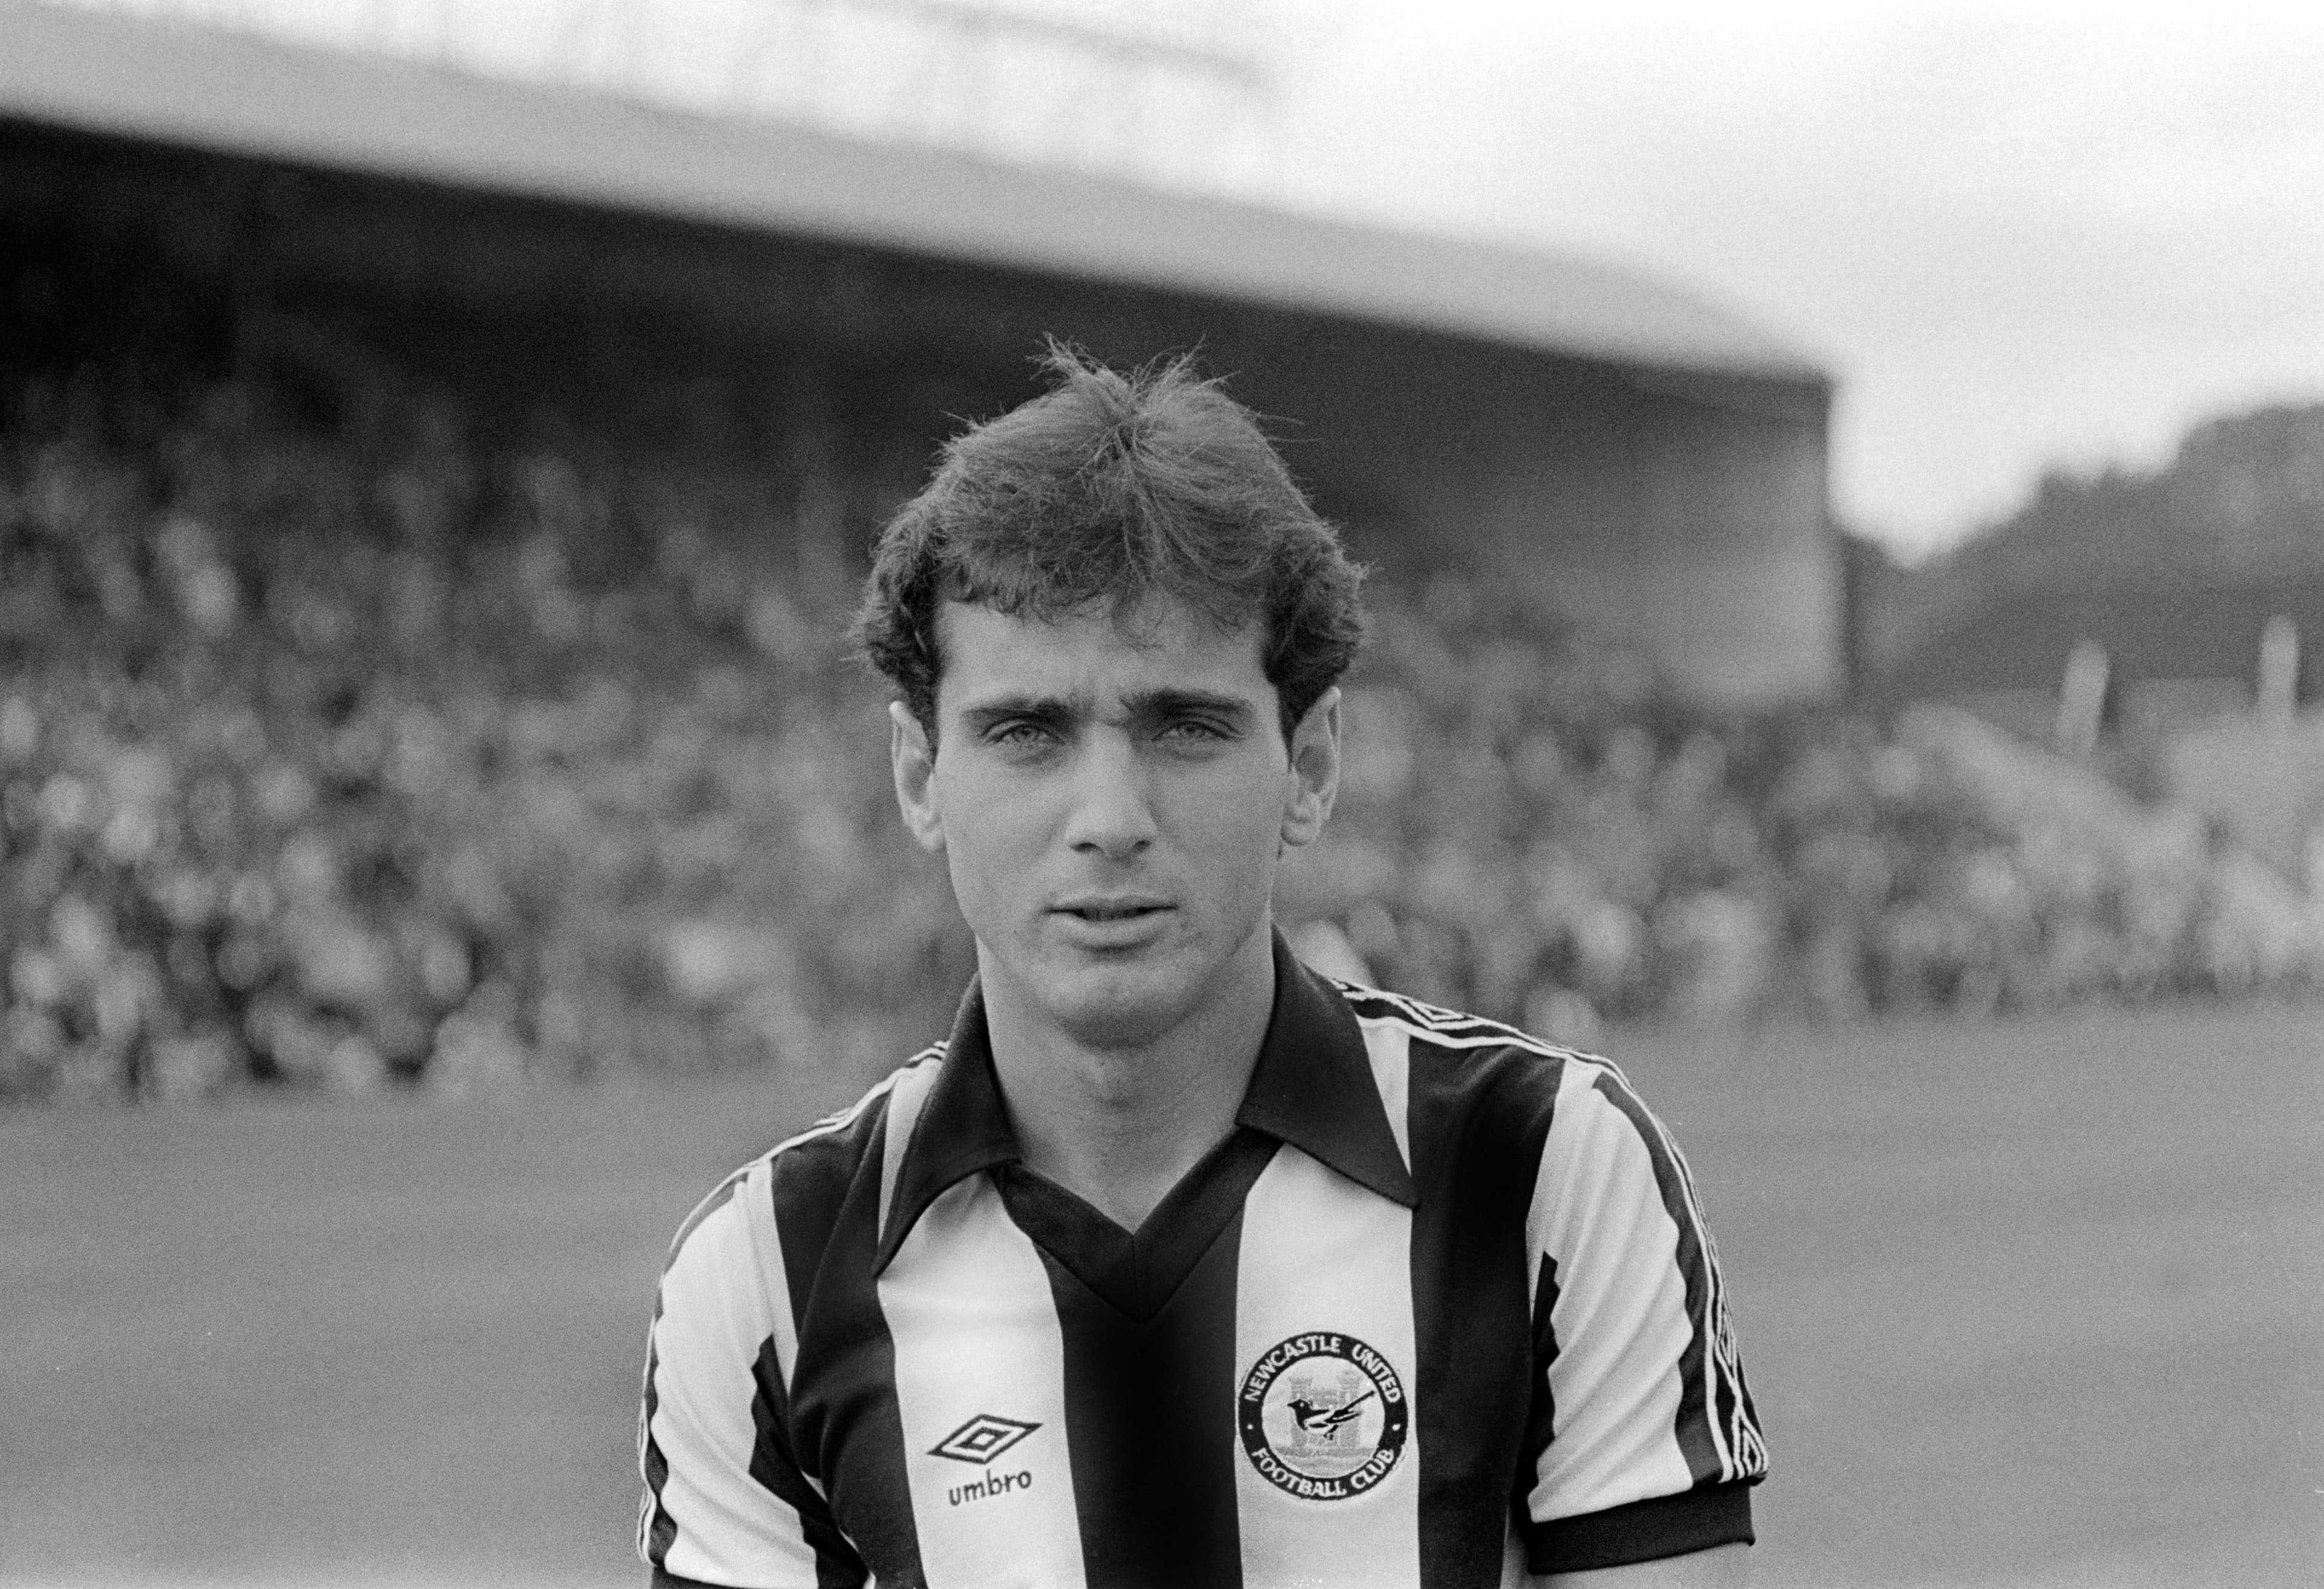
[1241, 820]
[991, 836]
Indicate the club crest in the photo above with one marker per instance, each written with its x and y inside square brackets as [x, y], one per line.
[1323, 1416]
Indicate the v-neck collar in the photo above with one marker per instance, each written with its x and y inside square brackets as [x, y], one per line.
[1138, 1272]
[1312, 1088]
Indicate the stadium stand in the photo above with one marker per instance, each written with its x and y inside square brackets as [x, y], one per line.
[1621, 446]
[418, 666]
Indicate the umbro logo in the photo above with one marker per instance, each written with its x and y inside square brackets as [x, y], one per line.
[981, 1439]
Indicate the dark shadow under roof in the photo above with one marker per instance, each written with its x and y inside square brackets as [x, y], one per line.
[207, 88]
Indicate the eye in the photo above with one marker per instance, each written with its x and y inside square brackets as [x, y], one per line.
[1019, 733]
[1195, 731]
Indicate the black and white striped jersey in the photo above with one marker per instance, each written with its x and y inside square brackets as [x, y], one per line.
[1442, 1310]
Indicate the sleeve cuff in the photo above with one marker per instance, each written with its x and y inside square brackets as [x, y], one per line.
[1643, 1530]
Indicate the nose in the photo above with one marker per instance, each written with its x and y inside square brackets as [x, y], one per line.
[1112, 815]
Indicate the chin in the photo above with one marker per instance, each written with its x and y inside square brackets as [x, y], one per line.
[1123, 1008]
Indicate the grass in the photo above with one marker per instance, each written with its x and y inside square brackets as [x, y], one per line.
[2034, 1304]
[2028, 1304]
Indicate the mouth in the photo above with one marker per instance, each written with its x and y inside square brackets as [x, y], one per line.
[1111, 910]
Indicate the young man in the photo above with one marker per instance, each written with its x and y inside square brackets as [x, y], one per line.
[1178, 1265]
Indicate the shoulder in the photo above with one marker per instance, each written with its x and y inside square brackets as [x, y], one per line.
[801, 1182]
[1485, 1062]
[1491, 1084]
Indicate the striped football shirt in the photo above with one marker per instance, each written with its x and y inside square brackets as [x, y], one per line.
[1439, 1311]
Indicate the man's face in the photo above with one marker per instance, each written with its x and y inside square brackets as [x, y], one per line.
[1111, 798]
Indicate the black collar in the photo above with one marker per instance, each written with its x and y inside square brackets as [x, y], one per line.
[1310, 1087]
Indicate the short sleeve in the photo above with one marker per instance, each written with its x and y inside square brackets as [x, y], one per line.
[1642, 1441]
[726, 1501]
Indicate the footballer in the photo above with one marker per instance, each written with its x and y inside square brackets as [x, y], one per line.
[1177, 1264]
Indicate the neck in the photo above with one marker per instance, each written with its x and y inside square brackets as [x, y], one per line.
[1120, 1126]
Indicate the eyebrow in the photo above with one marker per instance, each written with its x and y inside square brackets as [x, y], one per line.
[1057, 711]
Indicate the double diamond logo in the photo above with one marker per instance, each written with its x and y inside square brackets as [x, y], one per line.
[981, 1439]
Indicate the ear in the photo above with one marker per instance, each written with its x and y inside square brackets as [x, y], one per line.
[1313, 782]
[914, 762]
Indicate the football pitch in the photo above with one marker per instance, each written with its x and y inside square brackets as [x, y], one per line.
[2028, 1304]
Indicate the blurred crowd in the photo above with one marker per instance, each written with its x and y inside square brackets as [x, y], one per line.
[1532, 829]
[340, 757]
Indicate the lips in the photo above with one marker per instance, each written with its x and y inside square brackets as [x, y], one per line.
[1108, 910]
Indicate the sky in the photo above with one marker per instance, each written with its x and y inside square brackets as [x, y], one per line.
[2023, 238]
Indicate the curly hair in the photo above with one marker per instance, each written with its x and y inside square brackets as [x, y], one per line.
[1118, 488]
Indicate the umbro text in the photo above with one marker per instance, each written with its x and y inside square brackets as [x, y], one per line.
[996, 1484]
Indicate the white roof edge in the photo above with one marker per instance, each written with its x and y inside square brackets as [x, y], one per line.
[235, 93]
